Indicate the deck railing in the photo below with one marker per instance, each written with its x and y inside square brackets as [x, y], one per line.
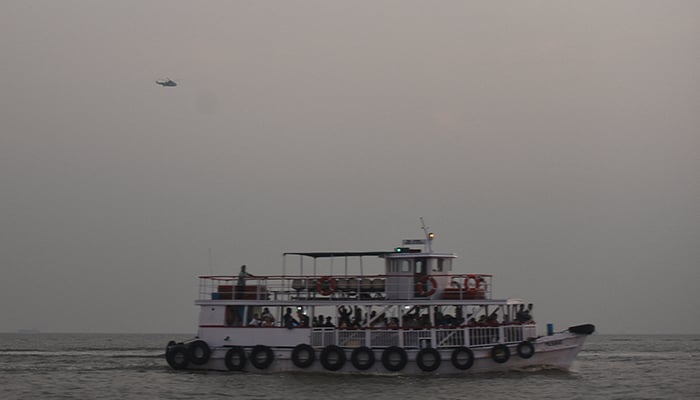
[345, 287]
[437, 338]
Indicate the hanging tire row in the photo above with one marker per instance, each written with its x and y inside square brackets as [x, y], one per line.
[333, 357]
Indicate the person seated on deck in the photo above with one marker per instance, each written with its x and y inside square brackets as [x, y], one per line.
[393, 323]
[523, 315]
[318, 322]
[424, 322]
[267, 318]
[289, 321]
[255, 321]
[329, 323]
[492, 320]
[303, 319]
[377, 320]
[372, 318]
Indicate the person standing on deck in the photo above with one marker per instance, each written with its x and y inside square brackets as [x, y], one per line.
[240, 286]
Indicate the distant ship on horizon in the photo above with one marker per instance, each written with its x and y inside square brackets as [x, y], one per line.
[28, 331]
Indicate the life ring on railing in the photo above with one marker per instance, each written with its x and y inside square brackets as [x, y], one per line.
[482, 288]
[261, 362]
[199, 352]
[525, 349]
[500, 353]
[420, 286]
[333, 358]
[458, 359]
[303, 355]
[472, 281]
[428, 359]
[177, 356]
[326, 285]
[390, 361]
[475, 285]
[235, 359]
[362, 358]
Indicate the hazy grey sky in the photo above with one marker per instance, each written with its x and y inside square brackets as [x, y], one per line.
[555, 144]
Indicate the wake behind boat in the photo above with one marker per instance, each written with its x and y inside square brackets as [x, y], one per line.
[419, 317]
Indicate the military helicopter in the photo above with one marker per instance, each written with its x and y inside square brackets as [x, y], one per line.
[167, 83]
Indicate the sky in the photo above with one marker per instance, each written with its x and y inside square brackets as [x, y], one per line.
[554, 144]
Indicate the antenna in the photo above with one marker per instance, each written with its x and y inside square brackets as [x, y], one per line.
[428, 236]
[211, 264]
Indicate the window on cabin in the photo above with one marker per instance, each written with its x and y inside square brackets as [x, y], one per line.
[400, 266]
[421, 266]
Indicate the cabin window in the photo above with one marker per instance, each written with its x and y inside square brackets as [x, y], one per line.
[421, 266]
[393, 267]
[400, 265]
[443, 265]
[438, 265]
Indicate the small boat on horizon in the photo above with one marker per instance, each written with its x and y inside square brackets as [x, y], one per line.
[416, 318]
[28, 331]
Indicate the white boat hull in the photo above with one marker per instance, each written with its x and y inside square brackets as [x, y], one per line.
[555, 351]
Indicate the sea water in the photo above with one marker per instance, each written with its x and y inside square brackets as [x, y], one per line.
[132, 366]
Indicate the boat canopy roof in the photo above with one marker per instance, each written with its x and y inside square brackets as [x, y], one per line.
[330, 254]
[391, 253]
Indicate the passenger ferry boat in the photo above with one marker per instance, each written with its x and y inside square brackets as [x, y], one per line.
[417, 318]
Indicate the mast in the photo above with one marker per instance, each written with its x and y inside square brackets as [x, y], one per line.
[429, 236]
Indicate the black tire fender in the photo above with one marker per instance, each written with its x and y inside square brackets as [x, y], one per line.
[500, 353]
[265, 362]
[525, 349]
[389, 363]
[199, 352]
[428, 353]
[178, 357]
[326, 360]
[362, 358]
[298, 357]
[457, 358]
[235, 359]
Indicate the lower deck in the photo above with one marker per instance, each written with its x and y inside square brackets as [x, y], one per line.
[374, 338]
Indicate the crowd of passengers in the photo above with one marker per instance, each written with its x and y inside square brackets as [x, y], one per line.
[354, 318]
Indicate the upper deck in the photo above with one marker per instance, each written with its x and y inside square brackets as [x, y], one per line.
[409, 274]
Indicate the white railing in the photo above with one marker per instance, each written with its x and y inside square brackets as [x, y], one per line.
[449, 337]
[384, 338]
[352, 338]
[480, 336]
[321, 337]
[419, 338]
[350, 287]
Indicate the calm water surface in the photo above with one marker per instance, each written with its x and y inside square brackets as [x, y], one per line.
[103, 366]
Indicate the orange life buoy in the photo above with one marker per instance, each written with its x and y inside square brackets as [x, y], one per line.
[326, 285]
[420, 288]
[472, 284]
[475, 278]
[482, 287]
